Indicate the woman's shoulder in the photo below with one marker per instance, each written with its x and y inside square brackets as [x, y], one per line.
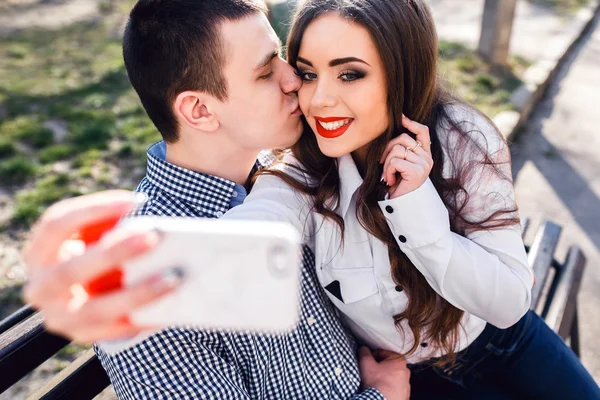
[288, 165]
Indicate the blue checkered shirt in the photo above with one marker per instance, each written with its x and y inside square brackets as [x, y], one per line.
[315, 361]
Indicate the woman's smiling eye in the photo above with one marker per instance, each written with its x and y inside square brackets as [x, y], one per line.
[306, 76]
[349, 76]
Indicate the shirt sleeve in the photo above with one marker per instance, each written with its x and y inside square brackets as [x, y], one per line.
[271, 199]
[174, 364]
[485, 272]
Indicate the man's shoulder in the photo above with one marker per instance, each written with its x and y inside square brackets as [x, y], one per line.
[160, 203]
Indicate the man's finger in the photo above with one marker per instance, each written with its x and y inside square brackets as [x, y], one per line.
[54, 282]
[62, 220]
[70, 249]
[111, 306]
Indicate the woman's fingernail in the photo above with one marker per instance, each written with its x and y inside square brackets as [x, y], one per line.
[169, 279]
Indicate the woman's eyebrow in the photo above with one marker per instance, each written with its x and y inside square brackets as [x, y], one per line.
[336, 62]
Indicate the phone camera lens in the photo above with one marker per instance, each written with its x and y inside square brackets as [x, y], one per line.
[278, 262]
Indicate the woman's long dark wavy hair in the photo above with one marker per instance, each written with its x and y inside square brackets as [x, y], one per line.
[404, 33]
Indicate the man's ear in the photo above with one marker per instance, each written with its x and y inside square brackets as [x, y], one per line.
[194, 109]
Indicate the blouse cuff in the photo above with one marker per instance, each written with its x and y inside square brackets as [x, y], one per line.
[418, 218]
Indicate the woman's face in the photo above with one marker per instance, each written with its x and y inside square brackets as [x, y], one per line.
[344, 94]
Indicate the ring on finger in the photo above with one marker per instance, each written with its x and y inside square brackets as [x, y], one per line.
[419, 144]
[406, 150]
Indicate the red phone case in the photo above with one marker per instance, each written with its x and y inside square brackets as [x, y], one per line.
[113, 279]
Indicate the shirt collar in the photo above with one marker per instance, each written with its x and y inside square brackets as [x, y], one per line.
[350, 181]
[207, 193]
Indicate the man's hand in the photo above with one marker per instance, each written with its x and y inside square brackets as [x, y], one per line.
[388, 373]
[59, 268]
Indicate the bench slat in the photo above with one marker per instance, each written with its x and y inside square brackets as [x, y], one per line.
[540, 257]
[525, 222]
[25, 347]
[83, 379]
[18, 316]
[563, 306]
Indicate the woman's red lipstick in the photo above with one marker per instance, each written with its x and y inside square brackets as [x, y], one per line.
[336, 132]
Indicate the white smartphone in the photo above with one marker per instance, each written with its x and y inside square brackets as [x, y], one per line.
[238, 275]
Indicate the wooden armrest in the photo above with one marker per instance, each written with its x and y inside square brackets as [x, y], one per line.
[83, 379]
[24, 347]
[563, 307]
[540, 257]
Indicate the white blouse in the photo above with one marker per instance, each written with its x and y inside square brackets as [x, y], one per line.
[485, 274]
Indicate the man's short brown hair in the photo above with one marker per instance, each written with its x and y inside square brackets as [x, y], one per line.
[171, 46]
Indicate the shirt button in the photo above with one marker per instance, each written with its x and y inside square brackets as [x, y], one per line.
[389, 209]
[311, 321]
[219, 214]
[234, 194]
[338, 371]
[399, 288]
[423, 345]
[402, 239]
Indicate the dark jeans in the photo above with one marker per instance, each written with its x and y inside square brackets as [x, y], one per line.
[525, 361]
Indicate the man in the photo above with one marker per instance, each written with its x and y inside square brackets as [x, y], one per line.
[210, 77]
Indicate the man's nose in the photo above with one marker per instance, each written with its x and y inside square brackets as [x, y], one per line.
[290, 81]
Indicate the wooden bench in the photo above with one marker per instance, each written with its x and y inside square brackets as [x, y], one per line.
[25, 344]
[554, 296]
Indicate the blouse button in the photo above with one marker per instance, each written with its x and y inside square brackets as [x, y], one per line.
[389, 209]
[399, 288]
[402, 239]
[424, 344]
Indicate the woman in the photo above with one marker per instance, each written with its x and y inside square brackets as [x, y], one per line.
[415, 227]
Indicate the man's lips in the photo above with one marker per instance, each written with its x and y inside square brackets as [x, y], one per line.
[297, 112]
[332, 133]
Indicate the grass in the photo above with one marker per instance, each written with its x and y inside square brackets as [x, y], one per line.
[473, 79]
[46, 191]
[55, 153]
[562, 6]
[7, 148]
[17, 170]
[71, 350]
[76, 76]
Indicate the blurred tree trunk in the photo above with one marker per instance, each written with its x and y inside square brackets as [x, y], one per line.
[496, 30]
